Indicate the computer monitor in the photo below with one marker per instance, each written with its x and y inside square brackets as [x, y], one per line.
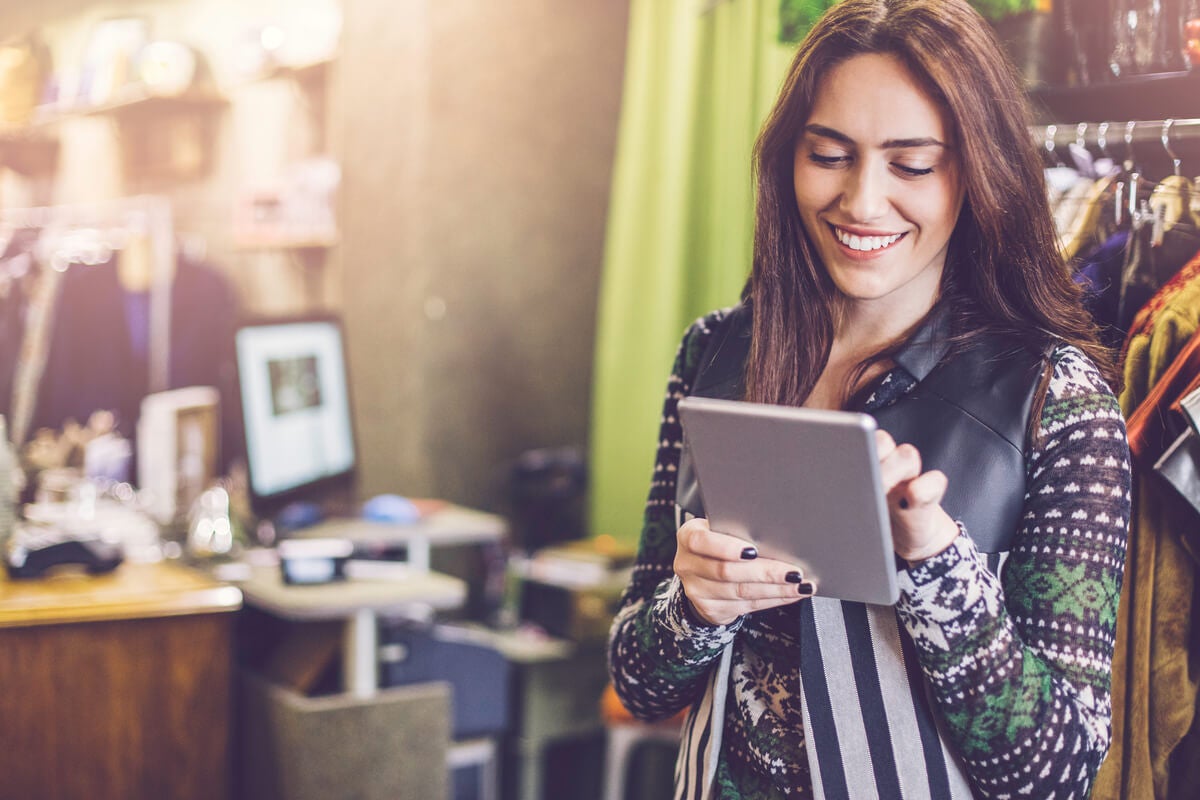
[296, 415]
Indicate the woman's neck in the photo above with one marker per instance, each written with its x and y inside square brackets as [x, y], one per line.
[862, 328]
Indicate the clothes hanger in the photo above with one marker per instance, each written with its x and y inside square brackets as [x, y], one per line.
[1132, 172]
[1090, 197]
[1060, 177]
[1171, 200]
[1120, 177]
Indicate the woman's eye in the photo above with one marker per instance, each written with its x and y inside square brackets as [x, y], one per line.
[827, 161]
[913, 172]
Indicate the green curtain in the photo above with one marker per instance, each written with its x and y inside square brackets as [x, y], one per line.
[700, 77]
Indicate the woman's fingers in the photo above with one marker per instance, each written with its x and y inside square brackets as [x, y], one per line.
[723, 612]
[722, 590]
[723, 558]
[884, 443]
[920, 526]
[696, 537]
[723, 577]
[900, 463]
[925, 490]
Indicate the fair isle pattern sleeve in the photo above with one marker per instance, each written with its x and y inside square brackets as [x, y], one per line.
[659, 651]
[1020, 666]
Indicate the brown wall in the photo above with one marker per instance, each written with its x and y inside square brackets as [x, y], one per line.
[478, 143]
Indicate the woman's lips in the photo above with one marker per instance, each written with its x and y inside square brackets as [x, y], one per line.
[862, 244]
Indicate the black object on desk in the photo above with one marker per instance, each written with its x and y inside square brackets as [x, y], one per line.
[312, 561]
[31, 556]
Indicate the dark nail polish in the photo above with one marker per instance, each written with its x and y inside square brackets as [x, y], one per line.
[749, 553]
[793, 577]
[806, 588]
[904, 502]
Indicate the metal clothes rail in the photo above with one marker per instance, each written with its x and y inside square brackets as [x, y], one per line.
[1107, 137]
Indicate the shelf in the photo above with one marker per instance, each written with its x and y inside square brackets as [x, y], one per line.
[1158, 96]
[301, 72]
[312, 72]
[132, 103]
[286, 242]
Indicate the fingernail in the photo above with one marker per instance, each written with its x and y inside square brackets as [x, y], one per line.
[793, 577]
[807, 588]
[749, 553]
[904, 502]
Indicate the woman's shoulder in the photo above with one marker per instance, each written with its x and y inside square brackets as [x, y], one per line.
[1077, 396]
[1075, 374]
[698, 335]
[706, 325]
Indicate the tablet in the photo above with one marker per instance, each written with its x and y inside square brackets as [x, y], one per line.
[802, 485]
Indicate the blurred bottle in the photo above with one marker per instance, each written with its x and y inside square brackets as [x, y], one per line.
[8, 486]
[1191, 36]
[1087, 39]
[1147, 36]
[1029, 38]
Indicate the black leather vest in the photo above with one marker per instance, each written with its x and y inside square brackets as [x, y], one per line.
[967, 416]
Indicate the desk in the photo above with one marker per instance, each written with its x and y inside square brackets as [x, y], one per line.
[358, 603]
[365, 743]
[451, 525]
[116, 686]
[557, 689]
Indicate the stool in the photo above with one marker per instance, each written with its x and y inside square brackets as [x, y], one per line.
[623, 735]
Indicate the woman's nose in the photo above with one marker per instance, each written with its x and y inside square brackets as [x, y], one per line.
[864, 196]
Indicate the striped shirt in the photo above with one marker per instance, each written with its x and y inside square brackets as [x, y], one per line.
[1018, 666]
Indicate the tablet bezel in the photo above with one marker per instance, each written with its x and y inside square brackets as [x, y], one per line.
[802, 485]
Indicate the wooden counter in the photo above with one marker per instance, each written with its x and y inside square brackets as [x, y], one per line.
[133, 591]
[116, 686]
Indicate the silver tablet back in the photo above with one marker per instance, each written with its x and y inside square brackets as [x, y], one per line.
[802, 485]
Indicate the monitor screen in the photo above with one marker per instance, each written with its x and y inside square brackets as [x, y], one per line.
[295, 409]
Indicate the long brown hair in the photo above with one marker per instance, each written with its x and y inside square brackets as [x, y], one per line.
[1003, 269]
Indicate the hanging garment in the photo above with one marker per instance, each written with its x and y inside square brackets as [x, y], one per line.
[33, 351]
[1179, 464]
[14, 302]
[1136, 361]
[1148, 267]
[1092, 222]
[1070, 207]
[18, 292]
[1099, 273]
[1151, 427]
[96, 361]
[1156, 673]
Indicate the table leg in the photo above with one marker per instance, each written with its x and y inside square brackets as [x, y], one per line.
[360, 648]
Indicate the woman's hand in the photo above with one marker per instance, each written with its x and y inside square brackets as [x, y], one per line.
[921, 528]
[724, 578]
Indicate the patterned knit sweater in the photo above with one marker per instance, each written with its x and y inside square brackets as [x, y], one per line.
[1019, 666]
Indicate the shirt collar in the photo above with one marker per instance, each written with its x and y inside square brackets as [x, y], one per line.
[927, 346]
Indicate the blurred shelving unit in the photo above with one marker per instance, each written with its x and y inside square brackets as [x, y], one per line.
[1155, 96]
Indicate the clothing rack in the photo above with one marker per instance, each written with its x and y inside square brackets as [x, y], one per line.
[150, 214]
[1108, 137]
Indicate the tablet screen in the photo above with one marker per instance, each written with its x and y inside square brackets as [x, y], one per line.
[802, 484]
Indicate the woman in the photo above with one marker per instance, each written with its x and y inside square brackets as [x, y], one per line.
[904, 251]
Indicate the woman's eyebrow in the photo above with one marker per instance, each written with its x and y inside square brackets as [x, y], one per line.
[890, 144]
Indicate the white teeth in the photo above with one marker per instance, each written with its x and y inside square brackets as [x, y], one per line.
[865, 243]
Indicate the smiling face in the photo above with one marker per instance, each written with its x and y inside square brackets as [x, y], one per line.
[878, 185]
